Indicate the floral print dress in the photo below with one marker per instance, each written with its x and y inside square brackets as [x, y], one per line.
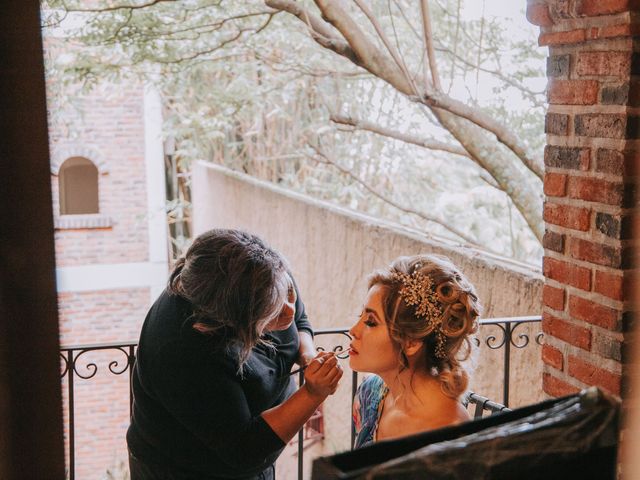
[367, 409]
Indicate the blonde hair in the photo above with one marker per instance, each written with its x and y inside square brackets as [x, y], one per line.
[446, 339]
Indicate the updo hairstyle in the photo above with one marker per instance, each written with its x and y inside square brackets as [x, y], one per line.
[446, 339]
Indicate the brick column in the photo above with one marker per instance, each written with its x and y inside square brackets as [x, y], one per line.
[591, 158]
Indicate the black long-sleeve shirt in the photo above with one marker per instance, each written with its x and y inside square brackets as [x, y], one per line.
[192, 412]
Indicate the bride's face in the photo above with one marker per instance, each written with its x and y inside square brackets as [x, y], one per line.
[371, 347]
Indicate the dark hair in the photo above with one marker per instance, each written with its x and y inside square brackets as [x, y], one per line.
[236, 284]
[460, 310]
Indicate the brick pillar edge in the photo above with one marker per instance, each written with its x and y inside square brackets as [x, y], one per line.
[591, 161]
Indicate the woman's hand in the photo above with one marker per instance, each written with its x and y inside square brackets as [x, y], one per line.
[322, 375]
[321, 380]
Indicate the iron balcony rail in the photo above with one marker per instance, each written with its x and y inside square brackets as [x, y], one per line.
[508, 337]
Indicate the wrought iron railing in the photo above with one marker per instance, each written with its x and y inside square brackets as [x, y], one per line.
[69, 359]
[507, 340]
[73, 370]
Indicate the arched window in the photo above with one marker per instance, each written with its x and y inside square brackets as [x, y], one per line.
[78, 182]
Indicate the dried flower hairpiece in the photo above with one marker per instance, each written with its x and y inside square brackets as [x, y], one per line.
[419, 291]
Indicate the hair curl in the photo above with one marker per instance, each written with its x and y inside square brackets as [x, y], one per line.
[461, 309]
[236, 285]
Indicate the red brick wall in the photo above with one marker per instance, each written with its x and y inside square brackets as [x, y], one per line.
[591, 157]
[102, 316]
[108, 129]
[112, 124]
[101, 405]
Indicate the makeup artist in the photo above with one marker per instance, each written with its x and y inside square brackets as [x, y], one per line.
[213, 398]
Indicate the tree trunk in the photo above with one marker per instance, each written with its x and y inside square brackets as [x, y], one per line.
[517, 183]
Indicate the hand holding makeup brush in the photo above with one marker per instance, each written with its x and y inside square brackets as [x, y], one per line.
[302, 369]
[322, 375]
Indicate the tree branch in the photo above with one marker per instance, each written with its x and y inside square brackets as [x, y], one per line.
[481, 119]
[482, 21]
[397, 58]
[220, 45]
[115, 7]
[50, 19]
[318, 29]
[533, 96]
[499, 163]
[372, 59]
[323, 158]
[485, 175]
[428, 46]
[208, 27]
[280, 66]
[403, 137]
[455, 49]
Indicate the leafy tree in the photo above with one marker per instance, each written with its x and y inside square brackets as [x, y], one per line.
[377, 105]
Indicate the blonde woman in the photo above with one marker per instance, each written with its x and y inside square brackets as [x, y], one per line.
[412, 334]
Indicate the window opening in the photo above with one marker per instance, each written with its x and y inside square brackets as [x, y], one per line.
[78, 182]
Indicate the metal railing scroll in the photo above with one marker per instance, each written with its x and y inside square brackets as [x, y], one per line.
[74, 369]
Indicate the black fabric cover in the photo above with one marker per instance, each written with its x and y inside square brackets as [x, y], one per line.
[565, 438]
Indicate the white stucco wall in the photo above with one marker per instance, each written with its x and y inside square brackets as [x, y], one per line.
[332, 250]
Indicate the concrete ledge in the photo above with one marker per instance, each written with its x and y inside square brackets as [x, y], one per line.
[87, 278]
[200, 221]
[94, 220]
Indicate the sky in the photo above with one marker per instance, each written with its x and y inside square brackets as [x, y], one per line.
[513, 9]
[511, 13]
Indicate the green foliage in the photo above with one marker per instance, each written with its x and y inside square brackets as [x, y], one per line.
[248, 88]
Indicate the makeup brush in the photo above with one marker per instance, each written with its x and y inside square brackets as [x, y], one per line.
[302, 369]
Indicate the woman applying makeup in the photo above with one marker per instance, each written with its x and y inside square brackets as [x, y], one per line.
[212, 394]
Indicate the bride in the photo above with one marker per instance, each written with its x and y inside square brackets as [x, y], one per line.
[412, 334]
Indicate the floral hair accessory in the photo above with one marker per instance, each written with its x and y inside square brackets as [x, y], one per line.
[419, 291]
